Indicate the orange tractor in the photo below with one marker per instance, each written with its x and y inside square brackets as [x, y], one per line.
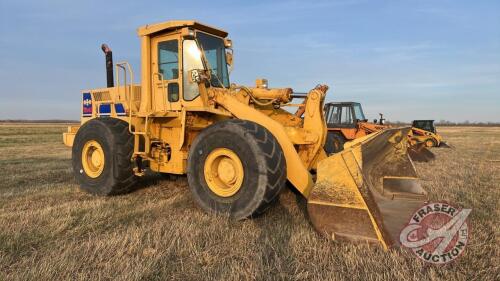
[346, 122]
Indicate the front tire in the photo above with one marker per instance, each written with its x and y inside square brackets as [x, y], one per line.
[334, 143]
[430, 143]
[236, 167]
[101, 157]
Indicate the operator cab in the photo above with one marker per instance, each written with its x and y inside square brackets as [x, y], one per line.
[175, 49]
[426, 125]
[344, 114]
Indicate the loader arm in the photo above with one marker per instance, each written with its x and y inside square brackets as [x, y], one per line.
[314, 121]
[297, 172]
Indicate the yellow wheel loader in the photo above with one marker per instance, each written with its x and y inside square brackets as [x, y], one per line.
[238, 145]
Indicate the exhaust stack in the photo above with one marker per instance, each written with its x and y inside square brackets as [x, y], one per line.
[109, 65]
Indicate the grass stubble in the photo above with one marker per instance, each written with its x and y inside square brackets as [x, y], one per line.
[50, 230]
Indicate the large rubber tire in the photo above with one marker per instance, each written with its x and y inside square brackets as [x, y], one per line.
[263, 162]
[117, 176]
[334, 143]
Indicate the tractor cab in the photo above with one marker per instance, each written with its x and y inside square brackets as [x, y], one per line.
[344, 114]
[174, 51]
[345, 122]
[426, 125]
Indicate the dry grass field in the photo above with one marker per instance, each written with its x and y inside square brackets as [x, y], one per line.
[50, 230]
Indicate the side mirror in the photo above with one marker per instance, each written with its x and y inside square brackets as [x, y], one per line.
[194, 76]
[229, 59]
[198, 76]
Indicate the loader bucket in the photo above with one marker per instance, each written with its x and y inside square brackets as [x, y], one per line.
[420, 153]
[445, 145]
[368, 191]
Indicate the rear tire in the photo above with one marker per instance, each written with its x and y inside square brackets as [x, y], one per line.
[113, 174]
[334, 143]
[263, 168]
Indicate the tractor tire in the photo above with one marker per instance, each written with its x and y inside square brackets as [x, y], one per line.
[430, 142]
[110, 170]
[257, 165]
[334, 143]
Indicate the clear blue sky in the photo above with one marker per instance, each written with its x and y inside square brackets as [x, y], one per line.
[408, 59]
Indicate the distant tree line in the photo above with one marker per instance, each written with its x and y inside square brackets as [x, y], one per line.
[393, 123]
[38, 121]
[451, 124]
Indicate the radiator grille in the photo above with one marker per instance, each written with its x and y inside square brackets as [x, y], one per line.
[101, 96]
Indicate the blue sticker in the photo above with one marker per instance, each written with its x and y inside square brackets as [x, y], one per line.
[105, 109]
[120, 110]
[87, 104]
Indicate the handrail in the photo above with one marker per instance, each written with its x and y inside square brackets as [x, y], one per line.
[128, 93]
[160, 75]
[125, 66]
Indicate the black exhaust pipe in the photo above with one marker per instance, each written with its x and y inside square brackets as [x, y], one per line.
[109, 65]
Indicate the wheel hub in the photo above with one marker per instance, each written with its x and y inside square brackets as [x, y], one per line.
[223, 172]
[429, 143]
[93, 158]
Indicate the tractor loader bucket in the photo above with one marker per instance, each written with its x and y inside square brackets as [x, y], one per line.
[367, 192]
[420, 153]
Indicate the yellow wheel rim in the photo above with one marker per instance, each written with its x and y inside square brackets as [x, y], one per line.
[223, 172]
[429, 143]
[93, 159]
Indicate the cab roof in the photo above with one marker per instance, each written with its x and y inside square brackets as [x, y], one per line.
[342, 103]
[177, 24]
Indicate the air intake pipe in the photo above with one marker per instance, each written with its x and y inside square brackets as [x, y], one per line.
[109, 65]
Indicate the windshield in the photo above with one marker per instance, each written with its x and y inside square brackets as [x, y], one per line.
[424, 125]
[215, 53]
[358, 112]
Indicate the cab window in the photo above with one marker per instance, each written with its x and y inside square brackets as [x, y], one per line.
[168, 59]
[346, 117]
[191, 60]
[215, 53]
[333, 115]
[358, 112]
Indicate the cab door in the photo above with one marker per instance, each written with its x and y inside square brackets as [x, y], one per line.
[165, 70]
